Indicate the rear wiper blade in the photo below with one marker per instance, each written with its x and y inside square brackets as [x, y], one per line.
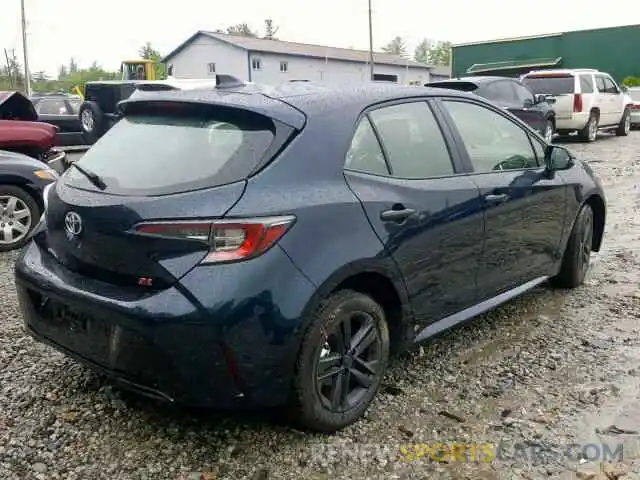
[94, 178]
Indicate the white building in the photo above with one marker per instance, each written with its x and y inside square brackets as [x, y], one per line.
[274, 61]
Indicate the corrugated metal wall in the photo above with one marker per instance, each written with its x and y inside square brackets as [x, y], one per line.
[613, 50]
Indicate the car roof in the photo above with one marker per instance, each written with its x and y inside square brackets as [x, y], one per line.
[477, 80]
[568, 71]
[306, 97]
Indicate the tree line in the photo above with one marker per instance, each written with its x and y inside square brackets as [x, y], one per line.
[71, 74]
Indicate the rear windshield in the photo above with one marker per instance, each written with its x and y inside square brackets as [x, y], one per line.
[162, 154]
[635, 95]
[550, 85]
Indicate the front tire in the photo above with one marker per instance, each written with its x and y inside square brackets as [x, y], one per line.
[341, 363]
[577, 255]
[624, 127]
[19, 214]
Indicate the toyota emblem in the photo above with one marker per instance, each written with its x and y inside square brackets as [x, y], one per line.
[73, 223]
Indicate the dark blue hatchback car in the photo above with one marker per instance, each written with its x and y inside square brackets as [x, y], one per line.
[255, 246]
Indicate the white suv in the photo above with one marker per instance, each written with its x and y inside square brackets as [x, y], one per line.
[585, 101]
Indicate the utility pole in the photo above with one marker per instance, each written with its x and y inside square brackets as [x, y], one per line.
[370, 43]
[27, 75]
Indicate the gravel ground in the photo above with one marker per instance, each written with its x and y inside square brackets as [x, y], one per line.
[544, 371]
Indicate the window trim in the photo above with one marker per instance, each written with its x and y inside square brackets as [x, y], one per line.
[456, 161]
[464, 154]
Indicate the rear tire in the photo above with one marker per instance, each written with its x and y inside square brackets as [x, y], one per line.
[321, 405]
[577, 254]
[624, 127]
[92, 121]
[590, 131]
[19, 214]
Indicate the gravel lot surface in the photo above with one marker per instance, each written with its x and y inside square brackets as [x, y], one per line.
[547, 370]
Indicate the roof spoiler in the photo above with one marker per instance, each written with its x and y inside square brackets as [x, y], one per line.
[228, 81]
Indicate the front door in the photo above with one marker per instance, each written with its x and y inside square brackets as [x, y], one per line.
[427, 215]
[524, 205]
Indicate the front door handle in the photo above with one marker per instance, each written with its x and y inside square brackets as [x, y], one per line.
[496, 198]
[396, 215]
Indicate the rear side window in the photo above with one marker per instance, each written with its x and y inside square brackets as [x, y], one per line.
[586, 84]
[365, 154]
[413, 140]
[550, 84]
[162, 154]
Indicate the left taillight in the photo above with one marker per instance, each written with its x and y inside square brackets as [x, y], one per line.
[228, 240]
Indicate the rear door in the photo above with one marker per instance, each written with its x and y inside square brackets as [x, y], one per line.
[615, 98]
[605, 101]
[524, 208]
[422, 206]
[560, 86]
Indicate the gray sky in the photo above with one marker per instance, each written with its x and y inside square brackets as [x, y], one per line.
[110, 31]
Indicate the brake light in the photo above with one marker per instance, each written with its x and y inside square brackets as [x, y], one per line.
[228, 240]
[577, 103]
[635, 106]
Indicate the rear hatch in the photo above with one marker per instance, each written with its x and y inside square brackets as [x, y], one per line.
[162, 176]
[560, 86]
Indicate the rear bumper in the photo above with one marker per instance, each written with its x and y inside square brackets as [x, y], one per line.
[173, 345]
[577, 121]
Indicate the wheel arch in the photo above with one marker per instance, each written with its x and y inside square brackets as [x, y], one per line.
[382, 282]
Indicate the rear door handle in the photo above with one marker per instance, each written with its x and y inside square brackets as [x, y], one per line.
[396, 215]
[496, 198]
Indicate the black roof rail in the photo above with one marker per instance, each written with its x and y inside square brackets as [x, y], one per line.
[228, 81]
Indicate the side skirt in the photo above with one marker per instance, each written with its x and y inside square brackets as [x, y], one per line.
[476, 310]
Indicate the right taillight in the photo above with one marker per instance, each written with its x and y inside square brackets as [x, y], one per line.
[228, 240]
[635, 106]
[577, 103]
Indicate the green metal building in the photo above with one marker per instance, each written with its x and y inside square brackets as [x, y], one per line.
[613, 50]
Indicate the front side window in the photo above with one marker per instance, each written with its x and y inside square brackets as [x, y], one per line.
[610, 86]
[365, 154]
[413, 141]
[256, 64]
[600, 85]
[284, 67]
[211, 68]
[492, 141]
[522, 93]
[171, 153]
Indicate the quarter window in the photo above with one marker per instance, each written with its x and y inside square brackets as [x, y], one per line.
[413, 141]
[365, 154]
[586, 84]
[492, 141]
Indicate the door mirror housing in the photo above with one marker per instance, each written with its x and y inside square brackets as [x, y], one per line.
[558, 158]
[541, 98]
[528, 103]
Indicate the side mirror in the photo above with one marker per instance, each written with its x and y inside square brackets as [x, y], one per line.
[557, 158]
[624, 88]
[528, 103]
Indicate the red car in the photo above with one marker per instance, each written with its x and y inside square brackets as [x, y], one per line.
[21, 132]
